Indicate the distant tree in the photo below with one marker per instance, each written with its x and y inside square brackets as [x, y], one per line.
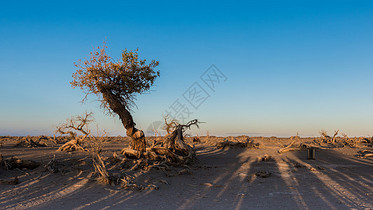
[116, 83]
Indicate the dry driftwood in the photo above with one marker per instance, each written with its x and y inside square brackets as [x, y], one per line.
[333, 140]
[224, 144]
[73, 145]
[290, 147]
[326, 141]
[29, 142]
[325, 138]
[172, 149]
[365, 153]
[247, 144]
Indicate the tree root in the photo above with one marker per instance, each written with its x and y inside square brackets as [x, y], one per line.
[160, 154]
[172, 150]
[131, 153]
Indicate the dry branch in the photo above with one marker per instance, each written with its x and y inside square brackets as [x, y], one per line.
[334, 136]
[71, 127]
[29, 142]
[169, 124]
[365, 153]
[172, 149]
[288, 148]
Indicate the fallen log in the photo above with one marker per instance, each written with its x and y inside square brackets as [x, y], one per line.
[289, 147]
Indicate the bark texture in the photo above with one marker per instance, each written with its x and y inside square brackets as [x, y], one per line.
[137, 136]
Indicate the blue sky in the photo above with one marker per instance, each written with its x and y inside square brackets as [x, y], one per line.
[291, 66]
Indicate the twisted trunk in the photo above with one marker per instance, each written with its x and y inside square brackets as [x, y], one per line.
[137, 136]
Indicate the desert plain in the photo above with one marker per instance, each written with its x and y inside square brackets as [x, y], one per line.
[226, 173]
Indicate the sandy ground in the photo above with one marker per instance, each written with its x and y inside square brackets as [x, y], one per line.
[220, 179]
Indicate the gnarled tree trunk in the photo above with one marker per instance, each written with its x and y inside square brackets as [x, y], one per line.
[137, 136]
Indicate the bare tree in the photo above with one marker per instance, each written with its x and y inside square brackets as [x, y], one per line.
[169, 124]
[71, 127]
[116, 83]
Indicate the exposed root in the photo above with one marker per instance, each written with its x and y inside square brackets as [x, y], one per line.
[130, 153]
[172, 149]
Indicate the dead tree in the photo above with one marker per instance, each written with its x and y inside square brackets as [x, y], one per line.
[169, 124]
[324, 135]
[71, 127]
[327, 139]
[116, 84]
[173, 149]
[335, 136]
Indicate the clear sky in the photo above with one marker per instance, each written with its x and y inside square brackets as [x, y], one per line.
[290, 66]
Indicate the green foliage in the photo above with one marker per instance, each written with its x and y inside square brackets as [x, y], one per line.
[123, 78]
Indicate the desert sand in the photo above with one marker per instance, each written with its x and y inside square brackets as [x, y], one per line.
[219, 178]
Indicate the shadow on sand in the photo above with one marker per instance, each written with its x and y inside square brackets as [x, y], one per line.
[222, 179]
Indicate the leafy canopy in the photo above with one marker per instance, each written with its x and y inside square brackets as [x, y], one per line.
[123, 78]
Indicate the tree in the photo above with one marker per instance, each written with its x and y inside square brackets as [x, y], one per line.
[72, 126]
[116, 83]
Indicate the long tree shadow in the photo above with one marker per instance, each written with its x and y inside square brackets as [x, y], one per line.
[40, 187]
[222, 179]
[214, 178]
[332, 181]
[340, 180]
